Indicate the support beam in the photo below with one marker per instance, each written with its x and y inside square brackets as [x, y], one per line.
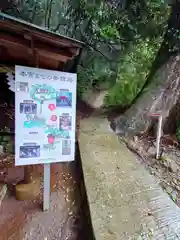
[44, 50]
[46, 196]
[25, 28]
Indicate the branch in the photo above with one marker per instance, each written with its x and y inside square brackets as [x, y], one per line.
[49, 15]
[46, 12]
[97, 50]
[83, 38]
[58, 26]
[60, 23]
[34, 12]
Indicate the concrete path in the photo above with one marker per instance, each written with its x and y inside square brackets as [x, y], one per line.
[125, 201]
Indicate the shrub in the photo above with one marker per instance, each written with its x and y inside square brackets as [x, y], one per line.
[133, 70]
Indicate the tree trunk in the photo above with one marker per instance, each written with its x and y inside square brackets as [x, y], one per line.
[161, 91]
[160, 96]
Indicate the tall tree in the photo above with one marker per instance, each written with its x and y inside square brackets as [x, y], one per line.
[108, 28]
[162, 89]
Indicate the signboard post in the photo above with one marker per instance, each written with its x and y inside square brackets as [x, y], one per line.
[46, 194]
[45, 113]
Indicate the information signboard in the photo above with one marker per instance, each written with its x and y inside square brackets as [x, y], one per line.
[45, 116]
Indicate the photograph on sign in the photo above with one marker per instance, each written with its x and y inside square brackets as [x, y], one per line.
[64, 98]
[29, 151]
[45, 110]
[22, 86]
[66, 147]
[65, 122]
[30, 108]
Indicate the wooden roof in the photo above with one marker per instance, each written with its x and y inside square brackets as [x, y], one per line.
[23, 43]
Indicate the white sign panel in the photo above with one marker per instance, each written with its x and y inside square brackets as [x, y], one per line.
[45, 113]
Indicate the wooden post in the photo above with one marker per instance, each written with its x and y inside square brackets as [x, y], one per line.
[28, 174]
[159, 132]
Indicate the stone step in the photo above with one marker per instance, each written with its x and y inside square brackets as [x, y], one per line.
[3, 192]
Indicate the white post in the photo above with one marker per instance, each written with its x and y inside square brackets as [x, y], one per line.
[46, 197]
[159, 132]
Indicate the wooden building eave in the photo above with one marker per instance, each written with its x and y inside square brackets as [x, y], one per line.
[26, 44]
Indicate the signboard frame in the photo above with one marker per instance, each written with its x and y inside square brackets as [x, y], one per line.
[34, 86]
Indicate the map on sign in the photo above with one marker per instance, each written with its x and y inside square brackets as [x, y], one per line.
[45, 116]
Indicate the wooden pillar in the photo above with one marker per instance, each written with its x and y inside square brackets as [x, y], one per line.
[28, 174]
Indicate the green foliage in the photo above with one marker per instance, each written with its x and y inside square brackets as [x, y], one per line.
[133, 70]
[29, 10]
[93, 72]
[128, 28]
[163, 158]
[121, 39]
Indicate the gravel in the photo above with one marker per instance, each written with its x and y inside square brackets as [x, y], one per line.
[47, 225]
